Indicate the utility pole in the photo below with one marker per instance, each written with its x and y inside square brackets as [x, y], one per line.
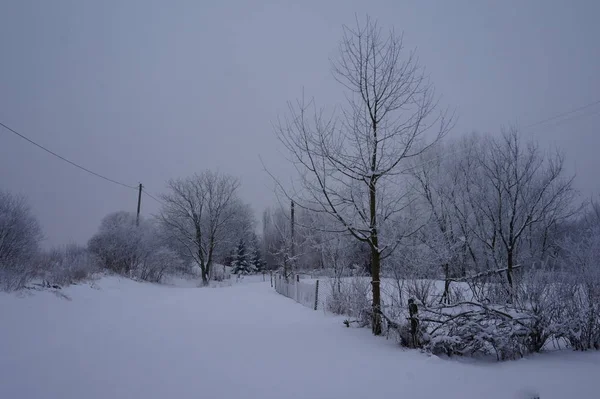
[137, 220]
[293, 247]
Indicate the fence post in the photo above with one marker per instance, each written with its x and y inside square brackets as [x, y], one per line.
[271, 274]
[316, 294]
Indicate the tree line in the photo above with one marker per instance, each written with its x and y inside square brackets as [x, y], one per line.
[203, 222]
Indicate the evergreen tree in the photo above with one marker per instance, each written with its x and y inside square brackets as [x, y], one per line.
[256, 260]
[241, 264]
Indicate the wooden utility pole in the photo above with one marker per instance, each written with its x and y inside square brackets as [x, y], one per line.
[293, 247]
[137, 220]
[288, 258]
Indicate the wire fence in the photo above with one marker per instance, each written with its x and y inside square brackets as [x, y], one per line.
[305, 293]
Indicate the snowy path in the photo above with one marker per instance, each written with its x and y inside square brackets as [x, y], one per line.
[130, 340]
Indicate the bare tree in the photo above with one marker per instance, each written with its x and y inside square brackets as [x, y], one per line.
[242, 226]
[519, 196]
[349, 164]
[435, 180]
[592, 215]
[20, 235]
[197, 213]
[270, 239]
[277, 237]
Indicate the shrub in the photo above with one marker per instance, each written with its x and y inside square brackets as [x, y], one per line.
[67, 265]
[20, 235]
[350, 297]
[132, 250]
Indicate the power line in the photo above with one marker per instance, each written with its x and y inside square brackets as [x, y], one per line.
[549, 119]
[580, 116]
[65, 159]
[151, 196]
[562, 114]
[522, 128]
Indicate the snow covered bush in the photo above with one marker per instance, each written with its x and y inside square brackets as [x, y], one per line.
[67, 265]
[474, 329]
[133, 250]
[350, 297]
[422, 290]
[538, 299]
[119, 242]
[583, 315]
[156, 263]
[220, 272]
[545, 305]
[581, 296]
[479, 316]
[20, 235]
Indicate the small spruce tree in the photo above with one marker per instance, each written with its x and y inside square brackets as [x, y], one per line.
[257, 262]
[241, 264]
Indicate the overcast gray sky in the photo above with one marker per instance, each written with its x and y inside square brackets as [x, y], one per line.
[142, 91]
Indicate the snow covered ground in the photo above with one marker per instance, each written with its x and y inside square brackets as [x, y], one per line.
[123, 339]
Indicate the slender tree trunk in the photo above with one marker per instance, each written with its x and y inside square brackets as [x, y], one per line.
[375, 282]
[209, 261]
[446, 295]
[509, 274]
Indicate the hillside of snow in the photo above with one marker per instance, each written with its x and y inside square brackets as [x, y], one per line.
[118, 338]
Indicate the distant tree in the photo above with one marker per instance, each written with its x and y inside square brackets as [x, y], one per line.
[241, 263]
[242, 226]
[198, 212]
[133, 250]
[277, 248]
[592, 214]
[256, 260]
[119, 243]
[496, 203]
[276, 238]
[518, 194]
[20, 236]
[444, 237]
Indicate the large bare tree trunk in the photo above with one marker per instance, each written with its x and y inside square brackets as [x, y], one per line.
[203, 273]
[375, 260]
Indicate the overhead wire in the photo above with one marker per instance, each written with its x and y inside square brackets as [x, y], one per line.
[543, 121]
[65, 159]
[22, 136]
[561, 115]
[526, 127]
[152, 197]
